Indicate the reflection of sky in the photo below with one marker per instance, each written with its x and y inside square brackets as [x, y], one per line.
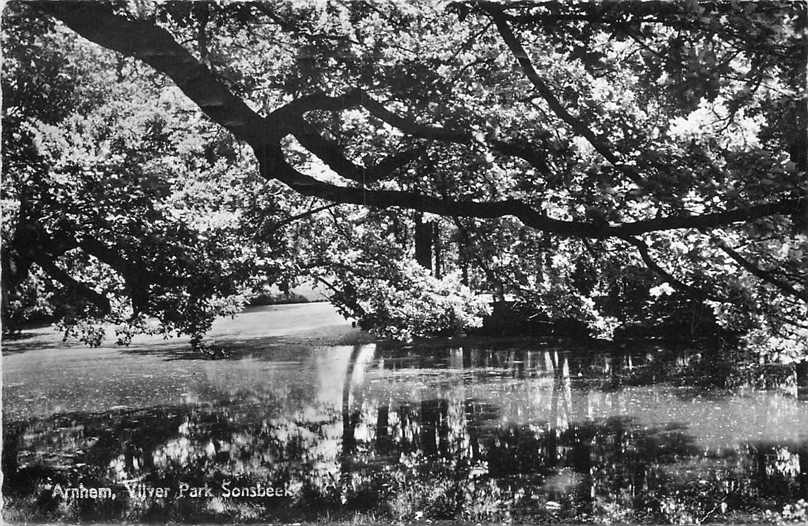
[282, 416]
[714, 422]
[524, 387]
[331, 364]
[713, 418]
[536, 395]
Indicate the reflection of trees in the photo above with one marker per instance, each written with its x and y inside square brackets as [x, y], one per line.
[561, 452]
[350, 417]
[473, 434]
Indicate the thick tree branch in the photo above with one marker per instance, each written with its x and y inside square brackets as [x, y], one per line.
[390, 164]
[422, 131]
[710, 220]
[275, 165]
[330, 153]
[155, 46]
[134, 273]
[76, 287]
[535, 157]
[359, 98]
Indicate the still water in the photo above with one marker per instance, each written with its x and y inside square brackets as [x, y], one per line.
[470, 433]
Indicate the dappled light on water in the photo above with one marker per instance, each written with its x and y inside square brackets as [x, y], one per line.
[469, 433]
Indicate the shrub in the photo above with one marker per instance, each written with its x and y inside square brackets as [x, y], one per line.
[409, 303]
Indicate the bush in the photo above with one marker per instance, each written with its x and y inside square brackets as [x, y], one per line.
[267, 298]
[409, 303]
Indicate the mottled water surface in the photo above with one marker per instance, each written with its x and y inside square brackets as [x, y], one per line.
[465, 432]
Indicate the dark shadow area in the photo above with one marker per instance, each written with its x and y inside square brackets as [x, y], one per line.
[27, 342]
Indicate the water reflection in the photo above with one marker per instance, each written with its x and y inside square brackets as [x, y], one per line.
[466, 433]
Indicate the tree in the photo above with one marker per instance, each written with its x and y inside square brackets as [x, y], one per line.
[116, 209]
[606, 134]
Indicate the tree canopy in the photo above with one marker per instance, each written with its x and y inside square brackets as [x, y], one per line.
[571, 154]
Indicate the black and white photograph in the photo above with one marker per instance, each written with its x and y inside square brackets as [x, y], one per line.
[405, 262]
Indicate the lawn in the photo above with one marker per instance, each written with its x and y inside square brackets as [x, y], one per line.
[42, 375]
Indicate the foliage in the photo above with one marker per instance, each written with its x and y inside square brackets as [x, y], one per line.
[622, 164]
[408, 303]
[31, 302]
[771, 347]
[135, 205]
[796, 513]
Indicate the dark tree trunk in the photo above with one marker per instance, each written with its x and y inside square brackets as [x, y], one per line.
[438, 271]
[430, 420]
[14, 270]
[350, 415]
[462, 260]
[17, 257]
[382, 434]
[423, 242]
[399, 230]
[434, 427]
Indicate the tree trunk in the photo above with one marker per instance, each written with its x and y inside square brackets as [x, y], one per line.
[462, 260]
[14, 270]
[438, 249]
[423, 242]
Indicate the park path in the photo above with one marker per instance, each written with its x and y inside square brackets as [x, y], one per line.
[43, 376]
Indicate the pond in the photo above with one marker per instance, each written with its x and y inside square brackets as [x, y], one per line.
[464, 432]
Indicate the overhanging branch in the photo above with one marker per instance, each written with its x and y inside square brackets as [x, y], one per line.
[275, 166]
[675, 282]
[764, 275]
[73, 285]
[577, 125]
[155, 46]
